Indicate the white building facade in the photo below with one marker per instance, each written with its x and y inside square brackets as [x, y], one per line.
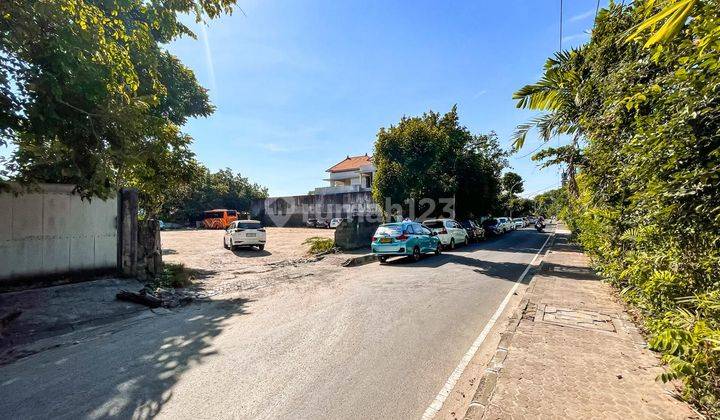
[353, 174]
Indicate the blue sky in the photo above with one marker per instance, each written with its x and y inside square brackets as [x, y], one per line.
[299, 85]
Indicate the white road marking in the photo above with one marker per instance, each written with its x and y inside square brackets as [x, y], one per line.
[437, 404]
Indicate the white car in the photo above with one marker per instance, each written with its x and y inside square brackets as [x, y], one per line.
[449, 231]
[334, 223]
[244, 233]
[505, 225]
[519, 223]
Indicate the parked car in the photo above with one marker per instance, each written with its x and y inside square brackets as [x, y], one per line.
[519, 222]
[404, 238]
[311, 223]
[505, 225]
[491, 227]
[475, 232]
[334, 223]
[244, 233]
[322, 223]
[449, 231]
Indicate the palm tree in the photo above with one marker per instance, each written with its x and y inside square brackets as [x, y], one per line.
[556, 93]
[674, 14]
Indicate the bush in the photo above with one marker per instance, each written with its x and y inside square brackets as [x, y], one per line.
[175, 276]
[319, 244]
[647, 209]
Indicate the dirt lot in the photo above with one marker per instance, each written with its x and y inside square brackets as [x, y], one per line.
[204, 248]
[219, 270]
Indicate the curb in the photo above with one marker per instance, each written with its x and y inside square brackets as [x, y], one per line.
[488, 380]
[360, 260]
[481, 399]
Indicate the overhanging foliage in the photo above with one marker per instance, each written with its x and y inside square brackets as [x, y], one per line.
[646, 104]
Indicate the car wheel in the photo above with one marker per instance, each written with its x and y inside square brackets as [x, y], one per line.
[261, 247]
[438, 249]
[416, 254]
[382, 260]
[452, 243]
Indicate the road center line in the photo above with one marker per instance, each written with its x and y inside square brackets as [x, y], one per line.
[437, 404]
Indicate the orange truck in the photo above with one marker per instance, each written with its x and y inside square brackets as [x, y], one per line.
[219, 218]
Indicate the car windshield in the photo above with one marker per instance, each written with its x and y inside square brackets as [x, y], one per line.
[389, 230]
[434, 224]
[249, 225]
[214, 215]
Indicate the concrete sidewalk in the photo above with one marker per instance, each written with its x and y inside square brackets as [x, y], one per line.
[573, 352]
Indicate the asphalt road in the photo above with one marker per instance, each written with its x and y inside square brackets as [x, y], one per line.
[374, 342]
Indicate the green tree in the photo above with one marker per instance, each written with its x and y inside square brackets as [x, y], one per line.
[552, 203]
[557, 94]
[434, 157]
[478, 172]
[208, 190]
[88, 93]
[512, 183]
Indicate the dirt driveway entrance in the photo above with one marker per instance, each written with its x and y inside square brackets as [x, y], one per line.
[219, 270]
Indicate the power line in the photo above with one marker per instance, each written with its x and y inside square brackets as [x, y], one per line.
[533, 151]
[528, 194]
[561, 32]
[561, 23]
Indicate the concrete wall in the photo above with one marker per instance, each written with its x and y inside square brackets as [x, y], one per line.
[355, 233]
[296, 210]
[54, 232]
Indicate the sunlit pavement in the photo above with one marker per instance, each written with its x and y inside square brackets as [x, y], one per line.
[376, 341]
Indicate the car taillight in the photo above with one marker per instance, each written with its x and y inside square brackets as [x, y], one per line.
[375, 238]
[402, 237]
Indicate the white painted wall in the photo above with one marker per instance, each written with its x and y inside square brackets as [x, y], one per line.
[55, 232]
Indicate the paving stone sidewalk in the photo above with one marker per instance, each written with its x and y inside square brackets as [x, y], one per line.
[574, 353]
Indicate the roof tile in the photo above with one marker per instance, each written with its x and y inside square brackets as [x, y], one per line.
[351, 163]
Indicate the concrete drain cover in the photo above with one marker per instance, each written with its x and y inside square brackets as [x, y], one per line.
[579, 319]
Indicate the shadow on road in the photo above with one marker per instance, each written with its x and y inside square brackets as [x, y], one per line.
[506, 242]
[131, 375]
[251, 252]
[506, 270]
[501, 270]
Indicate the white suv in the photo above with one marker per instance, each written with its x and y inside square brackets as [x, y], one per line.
[505, 224]
[449, 231]
[244, 233]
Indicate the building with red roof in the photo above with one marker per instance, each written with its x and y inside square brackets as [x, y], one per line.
[352, 174]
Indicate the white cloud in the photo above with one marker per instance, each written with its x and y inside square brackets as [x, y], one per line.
[575, 36]
[582, 16]
[479, 94]
[208, 59]
[275, 148]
